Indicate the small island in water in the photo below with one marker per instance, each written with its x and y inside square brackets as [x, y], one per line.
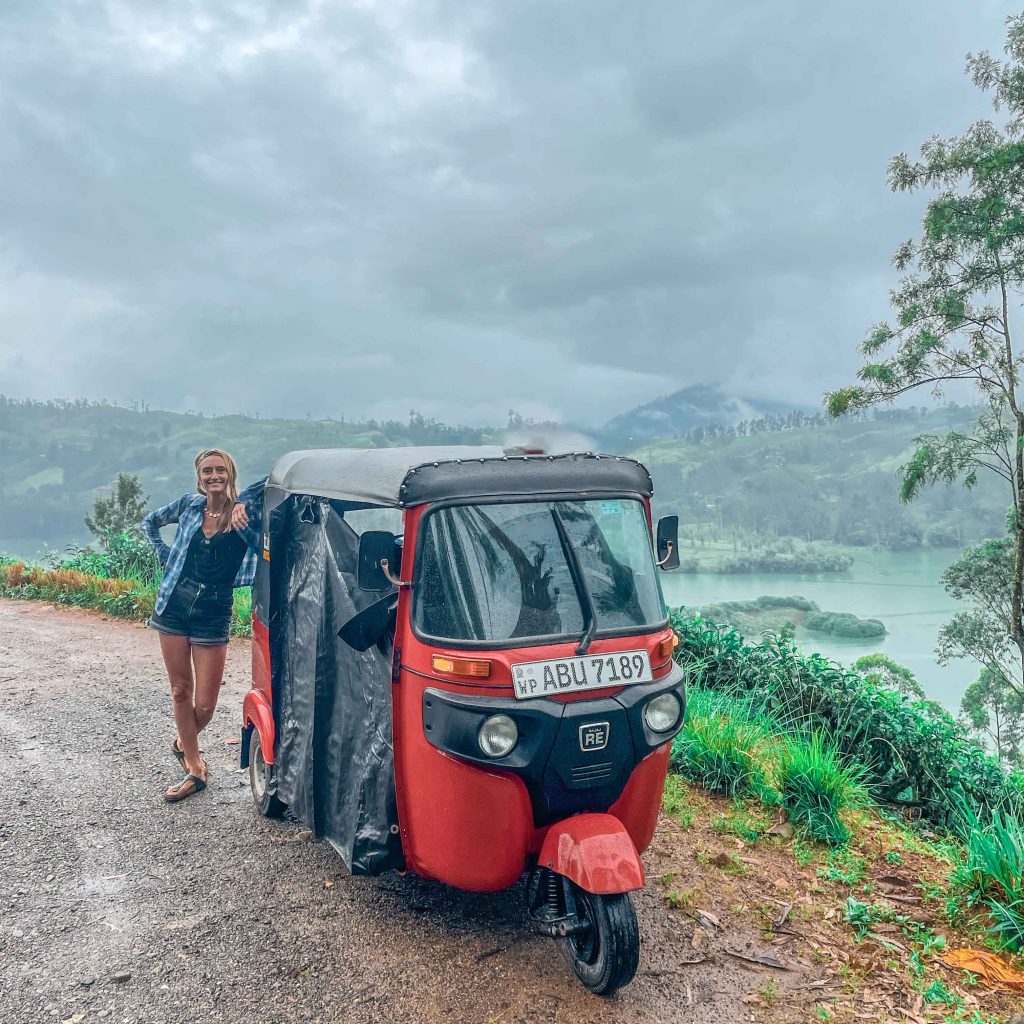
[783, 613]
[784, 555]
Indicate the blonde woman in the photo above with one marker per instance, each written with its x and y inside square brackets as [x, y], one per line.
[210, 556]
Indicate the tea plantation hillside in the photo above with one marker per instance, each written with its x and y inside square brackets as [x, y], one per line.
[780, 476]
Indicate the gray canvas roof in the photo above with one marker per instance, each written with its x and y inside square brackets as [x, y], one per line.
[371, 475]
[407, 476]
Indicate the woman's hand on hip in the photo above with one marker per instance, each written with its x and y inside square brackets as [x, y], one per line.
[239, 517]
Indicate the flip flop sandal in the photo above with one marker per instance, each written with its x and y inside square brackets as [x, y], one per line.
[176, 794]
[178, 753]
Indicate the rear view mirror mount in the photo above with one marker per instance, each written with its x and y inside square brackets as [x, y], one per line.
[378, 554]
[668, 542]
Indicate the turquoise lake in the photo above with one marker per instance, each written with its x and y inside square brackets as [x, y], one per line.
[900, 588]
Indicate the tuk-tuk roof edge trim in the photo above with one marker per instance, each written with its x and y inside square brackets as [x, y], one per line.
[395, 477]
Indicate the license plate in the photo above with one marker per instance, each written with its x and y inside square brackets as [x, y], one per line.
[569, 675]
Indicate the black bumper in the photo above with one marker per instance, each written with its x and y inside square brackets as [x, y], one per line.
[557, 755]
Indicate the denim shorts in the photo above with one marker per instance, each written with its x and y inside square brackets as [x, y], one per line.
[199, 611]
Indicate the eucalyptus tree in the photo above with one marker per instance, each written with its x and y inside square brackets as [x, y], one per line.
[995, 712]
[956, 307]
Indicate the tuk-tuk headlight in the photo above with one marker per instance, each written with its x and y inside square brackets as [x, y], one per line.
[662, 713]
[498, 735]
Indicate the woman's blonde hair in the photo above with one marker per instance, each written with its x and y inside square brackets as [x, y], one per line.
[224, 523]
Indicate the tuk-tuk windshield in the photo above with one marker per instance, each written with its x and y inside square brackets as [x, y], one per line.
[501, 572]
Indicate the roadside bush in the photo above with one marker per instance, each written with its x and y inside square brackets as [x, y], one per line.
[123, 598]
[87, 579]
[129, 557]
[125, 556]
[912, 751]
[732, 747]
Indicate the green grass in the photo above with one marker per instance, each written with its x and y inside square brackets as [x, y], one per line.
[844, 866]
[676, 802]
[911, 751]
[991, 874]
[745, 820]
[241, 613]
[816, 785]
[731, 747]
[724, 745]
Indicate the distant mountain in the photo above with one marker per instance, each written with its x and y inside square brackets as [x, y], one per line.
[695, 406]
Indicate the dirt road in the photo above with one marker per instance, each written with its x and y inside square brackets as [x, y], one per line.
[116, 906]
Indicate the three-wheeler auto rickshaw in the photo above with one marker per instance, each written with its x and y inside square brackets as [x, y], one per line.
[484, 689]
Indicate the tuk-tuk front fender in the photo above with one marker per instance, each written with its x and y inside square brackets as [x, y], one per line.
[257, 713]
[594, 851]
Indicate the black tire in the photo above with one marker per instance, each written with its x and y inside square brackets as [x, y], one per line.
[604, 956]
[262, 782]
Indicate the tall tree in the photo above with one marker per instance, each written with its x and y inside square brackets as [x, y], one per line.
[121, 512]
[995, 711]
[881, 670]
[956, 303]
[983, 577]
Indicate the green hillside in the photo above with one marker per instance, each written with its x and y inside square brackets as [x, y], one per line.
[818, 479]
[56, 457]
[736, 488]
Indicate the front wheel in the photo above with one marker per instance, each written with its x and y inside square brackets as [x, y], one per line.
[261, 781]
[605, 950]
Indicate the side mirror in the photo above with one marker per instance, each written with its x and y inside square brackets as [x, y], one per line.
[376, 546]
[668, 542]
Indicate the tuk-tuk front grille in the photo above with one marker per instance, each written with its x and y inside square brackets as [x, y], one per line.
[591, 774]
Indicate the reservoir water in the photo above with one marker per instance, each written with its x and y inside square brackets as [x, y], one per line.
[903, 589]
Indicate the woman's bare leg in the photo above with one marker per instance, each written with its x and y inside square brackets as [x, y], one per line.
[176, 650]
[209, 664]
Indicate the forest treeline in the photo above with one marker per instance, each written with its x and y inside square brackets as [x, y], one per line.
[820, 479]
[798, 475]
[56, 457]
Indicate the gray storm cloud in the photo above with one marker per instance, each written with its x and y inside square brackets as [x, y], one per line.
[365, 208]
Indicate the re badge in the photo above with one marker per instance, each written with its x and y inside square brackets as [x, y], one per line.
[594, 736]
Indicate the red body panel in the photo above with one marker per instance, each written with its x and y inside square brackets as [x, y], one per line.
[257, 709]
[640, 802]
[594, 851]
[260, 656]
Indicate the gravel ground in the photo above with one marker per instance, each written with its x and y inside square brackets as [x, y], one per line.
[116, 906]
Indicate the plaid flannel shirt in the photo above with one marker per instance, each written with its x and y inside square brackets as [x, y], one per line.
[187, 512]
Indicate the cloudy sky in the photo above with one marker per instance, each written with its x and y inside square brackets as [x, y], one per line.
[357, 208]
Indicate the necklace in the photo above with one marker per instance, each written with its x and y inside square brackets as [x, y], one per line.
[214, 515]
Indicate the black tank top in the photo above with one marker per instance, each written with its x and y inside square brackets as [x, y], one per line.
[214, 560]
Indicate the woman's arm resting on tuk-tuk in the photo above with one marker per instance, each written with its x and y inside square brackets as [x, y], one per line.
[163, 517]
[247, 515]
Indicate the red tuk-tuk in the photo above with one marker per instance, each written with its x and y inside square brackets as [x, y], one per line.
[462, 667]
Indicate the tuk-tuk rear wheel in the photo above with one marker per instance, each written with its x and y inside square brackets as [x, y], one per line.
[261, 781]
[605, 952]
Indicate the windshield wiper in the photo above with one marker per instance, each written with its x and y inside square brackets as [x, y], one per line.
[579, 582]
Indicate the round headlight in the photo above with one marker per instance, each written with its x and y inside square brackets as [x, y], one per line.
[662, 713]
[498, 735]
